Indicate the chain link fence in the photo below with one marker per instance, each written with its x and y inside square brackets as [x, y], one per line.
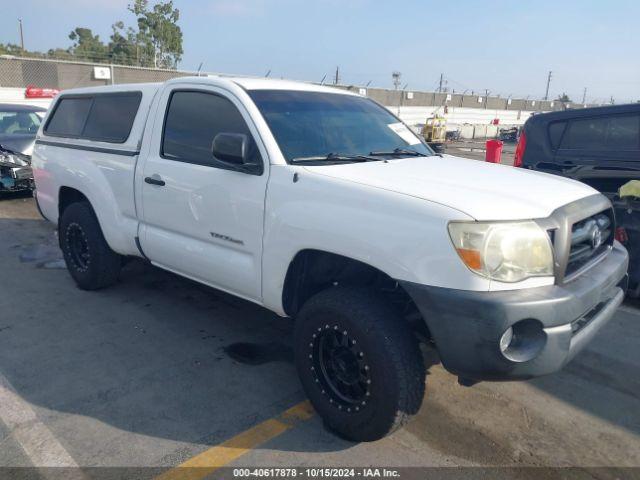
[21, 72]
[18, 72]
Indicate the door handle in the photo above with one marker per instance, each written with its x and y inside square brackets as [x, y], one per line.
[154, 180]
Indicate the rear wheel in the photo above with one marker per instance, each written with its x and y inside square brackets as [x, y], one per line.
[90, 261]
[359, 363]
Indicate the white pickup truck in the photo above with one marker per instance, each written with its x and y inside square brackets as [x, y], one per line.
[320, 204]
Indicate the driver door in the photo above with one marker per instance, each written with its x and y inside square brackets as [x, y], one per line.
[203, 218]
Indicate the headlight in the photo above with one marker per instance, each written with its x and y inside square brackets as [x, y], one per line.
[14, 159]
[507, 252]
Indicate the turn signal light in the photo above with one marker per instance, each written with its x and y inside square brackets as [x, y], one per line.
[471, 258]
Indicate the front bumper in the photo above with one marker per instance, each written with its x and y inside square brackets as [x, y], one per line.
[467, 325]
[15, 178]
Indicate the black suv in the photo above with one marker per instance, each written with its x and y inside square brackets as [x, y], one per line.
[598, 146]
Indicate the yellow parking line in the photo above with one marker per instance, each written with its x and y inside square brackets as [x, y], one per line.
[210, 460]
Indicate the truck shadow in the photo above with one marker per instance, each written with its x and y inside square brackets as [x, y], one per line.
[156, 355]
[161, 356]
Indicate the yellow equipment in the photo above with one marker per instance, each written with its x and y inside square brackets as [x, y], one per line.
[435, 132]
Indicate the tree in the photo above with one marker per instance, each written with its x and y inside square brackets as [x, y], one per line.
[60, 54]
[88, 46]
[10, 49]
[159, 38]
[16, 50]
[156, 42]
[124, 46]
[564, 98]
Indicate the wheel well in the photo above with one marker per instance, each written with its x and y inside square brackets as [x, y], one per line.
[67, 196]
[312, 271]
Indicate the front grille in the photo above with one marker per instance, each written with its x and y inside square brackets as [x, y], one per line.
[590, 238]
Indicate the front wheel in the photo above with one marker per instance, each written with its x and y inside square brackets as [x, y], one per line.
[359, 363]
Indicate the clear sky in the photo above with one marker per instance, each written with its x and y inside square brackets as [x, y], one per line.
[506, 46]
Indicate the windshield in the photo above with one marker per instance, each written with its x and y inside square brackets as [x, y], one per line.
[317, 124]
[19, 123]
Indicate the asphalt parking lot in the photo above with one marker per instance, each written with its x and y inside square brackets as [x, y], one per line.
[158, 371]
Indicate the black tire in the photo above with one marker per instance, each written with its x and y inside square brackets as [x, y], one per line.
[388, 357]
[90, 261]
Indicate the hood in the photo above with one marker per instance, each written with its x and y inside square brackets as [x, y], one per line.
[484, 191]
[18, 143]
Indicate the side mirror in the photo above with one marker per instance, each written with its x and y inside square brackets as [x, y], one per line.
[230, 148]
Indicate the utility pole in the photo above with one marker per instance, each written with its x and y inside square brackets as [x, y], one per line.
[546, 95]
[337, 79]
[440, 86]
[584, 95]
[462, 96]
[396, 79]
[402, 97]
[396, 83]
[21, 35]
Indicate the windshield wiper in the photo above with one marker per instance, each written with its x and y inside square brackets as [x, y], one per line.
[398, 152]
[335, 157]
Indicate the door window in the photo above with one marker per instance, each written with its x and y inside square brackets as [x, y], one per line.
[616, 132]
[586, 134]
[623, 133]
[556, 129]
[193, 119]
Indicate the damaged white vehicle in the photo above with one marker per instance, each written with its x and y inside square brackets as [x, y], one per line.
[320, 204]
